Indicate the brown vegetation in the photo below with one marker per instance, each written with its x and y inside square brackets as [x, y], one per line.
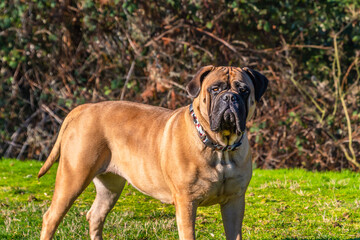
[57, 55]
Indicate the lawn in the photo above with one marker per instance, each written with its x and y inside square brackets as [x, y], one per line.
[280, 204]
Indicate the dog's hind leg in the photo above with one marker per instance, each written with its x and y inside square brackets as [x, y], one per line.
[69, 185]
[108, 189]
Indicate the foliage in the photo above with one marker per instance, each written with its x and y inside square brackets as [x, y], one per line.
[56, 55]
[280, 204]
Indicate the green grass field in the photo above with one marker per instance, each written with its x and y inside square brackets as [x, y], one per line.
[280, 204]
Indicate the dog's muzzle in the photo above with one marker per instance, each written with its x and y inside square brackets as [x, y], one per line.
[229, 113]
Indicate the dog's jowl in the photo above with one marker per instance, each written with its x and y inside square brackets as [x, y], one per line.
[197, 155]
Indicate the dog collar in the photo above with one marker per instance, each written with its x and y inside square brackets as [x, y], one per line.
[204, 138]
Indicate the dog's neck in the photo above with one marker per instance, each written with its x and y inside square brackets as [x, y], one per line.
[227, 142]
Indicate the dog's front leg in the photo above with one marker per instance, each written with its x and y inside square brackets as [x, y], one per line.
[185, 217]
[232, 214]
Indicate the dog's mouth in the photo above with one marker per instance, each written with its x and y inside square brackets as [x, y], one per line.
[228, 121]
[228, 118]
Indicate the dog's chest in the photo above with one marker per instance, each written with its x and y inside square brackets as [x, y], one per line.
[226, 166]
[226, 177]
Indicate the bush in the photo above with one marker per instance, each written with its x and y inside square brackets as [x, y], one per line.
[56, 55]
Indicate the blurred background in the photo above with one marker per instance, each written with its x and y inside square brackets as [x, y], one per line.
[55, 55]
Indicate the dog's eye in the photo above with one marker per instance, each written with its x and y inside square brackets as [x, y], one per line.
[215, 89]
[244, 91]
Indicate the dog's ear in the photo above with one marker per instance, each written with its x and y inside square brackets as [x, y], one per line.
[260, 82]
[194, 86]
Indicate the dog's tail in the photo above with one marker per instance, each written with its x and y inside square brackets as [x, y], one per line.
[55, 152]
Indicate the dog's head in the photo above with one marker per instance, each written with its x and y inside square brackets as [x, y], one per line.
[225, 96]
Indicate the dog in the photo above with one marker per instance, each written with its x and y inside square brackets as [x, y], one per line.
[198, 155]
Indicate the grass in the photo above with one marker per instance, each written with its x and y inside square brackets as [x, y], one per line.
[280, 204]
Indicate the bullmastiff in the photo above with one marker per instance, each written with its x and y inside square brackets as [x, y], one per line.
[198, 155]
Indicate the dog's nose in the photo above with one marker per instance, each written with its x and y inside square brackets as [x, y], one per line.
[228, 97]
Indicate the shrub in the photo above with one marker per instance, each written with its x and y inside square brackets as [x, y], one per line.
[56, 55]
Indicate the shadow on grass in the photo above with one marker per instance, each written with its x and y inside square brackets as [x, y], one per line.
[320, 238]
[10, 236]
